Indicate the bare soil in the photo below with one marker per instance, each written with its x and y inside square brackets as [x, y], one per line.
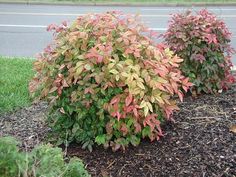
[200, 143]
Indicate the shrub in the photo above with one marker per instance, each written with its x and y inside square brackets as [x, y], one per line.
[107, 82]
[42, 161]
[202, 41]
[12, 162]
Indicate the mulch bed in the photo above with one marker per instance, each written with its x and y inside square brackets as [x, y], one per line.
[199, 143]
[27, 125]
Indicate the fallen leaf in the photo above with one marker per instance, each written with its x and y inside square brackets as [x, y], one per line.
[233, 128]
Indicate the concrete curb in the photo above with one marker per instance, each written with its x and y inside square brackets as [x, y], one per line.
[118, 4]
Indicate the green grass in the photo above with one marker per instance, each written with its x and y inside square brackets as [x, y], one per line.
[128, 1]
[15, 74]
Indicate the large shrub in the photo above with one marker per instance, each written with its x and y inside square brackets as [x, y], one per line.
[44, 160]
[203, 41]
[107, 81]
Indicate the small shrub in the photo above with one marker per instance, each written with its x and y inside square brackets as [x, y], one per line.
[107, 82]
[202, 41]
[42, 161]
[12, 163]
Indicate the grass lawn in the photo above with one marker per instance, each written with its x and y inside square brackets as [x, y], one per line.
[15, 74]
[127, 1]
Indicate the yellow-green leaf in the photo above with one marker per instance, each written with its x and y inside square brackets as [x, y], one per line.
[129, 62]
[140, 84]
[159, 99]
[79, 63]
[119, 66]
[134, 91]
[117, 77]
[110, 65]
[142, 104]
[149, 106]
[161, 80]
[124, 74]
[79, 70]
[146, 111]
[114, 71]
[87, 67]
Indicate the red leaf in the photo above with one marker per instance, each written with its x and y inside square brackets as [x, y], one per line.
[99, 59]
[128, 100]
[185, 88]
[118, 115]
[59, 91]
[124, 129]
[137, 127]
[180, 96]
[64, 84]
[115, 100]
[135, 112]
[129, 109]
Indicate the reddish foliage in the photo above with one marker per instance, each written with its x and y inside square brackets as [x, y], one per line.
[202, 41]
[115, 85]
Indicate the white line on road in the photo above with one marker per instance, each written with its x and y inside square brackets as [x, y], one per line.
[39, 14]
[23, 26]
[71, 14]
[66, 14]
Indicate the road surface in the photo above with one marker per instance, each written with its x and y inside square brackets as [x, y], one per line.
[23, 27]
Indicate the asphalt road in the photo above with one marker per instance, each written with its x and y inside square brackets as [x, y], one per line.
[23, 27]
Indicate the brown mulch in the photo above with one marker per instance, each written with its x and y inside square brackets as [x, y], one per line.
[199, 143]
[27, 125]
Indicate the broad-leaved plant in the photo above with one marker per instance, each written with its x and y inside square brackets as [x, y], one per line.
[203, 41]
[107, 81]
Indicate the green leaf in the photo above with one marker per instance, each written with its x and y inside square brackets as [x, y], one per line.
[100, 139]
[146, 132]
[103, 38]
[134, 140]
